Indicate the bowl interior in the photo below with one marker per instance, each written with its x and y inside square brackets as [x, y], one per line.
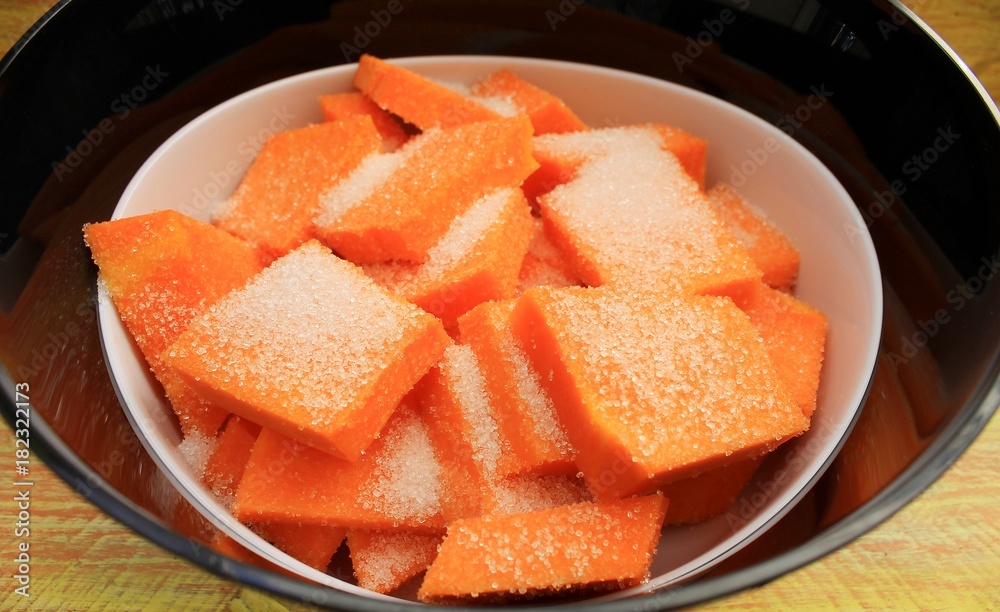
[203, 162]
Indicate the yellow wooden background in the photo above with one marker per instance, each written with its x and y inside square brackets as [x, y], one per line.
[940, 552]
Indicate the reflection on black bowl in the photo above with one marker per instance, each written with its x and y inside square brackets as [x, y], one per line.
[103, 84]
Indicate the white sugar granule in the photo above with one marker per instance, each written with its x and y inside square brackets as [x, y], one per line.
[529, 493]
[464, 233]
[501, 105]
[544, 264]
[361, 184]
[390, 558]
[455, 86]
[407, 484]
[539, 410]
[197, 449]
[456, 246]
[467, 382]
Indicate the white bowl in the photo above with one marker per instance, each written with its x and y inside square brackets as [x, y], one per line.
[202, 163]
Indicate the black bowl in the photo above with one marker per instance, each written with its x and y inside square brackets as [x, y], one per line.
[88, 95]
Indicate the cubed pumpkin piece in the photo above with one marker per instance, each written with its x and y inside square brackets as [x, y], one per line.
[338, 107]
[399, 482]
[655, 388]
[544, 264]
[768, 247]
[571, 549]
[163, 270]
[478, 259]
[631, 216]
[385, 560]
[224, 469]
[312, 349]
[397, 206]
[524, 411]
[415, 98]
[275, 202]
[795, 336]
[548, 114]
[311, 544]
[705, 496]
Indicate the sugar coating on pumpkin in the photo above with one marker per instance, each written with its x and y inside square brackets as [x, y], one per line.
[464, 233]
[399, 207]
[531, 492]
[197, 449]
[311, 348]
[466, 381]
[459, 405]
[457, 244]
[463, 400]
[771, 250]
[502, 105]
[384, 560]
[580, 547]
[407, 477]
[656, 388]
[545, 265]
[373, 171]
[538, 406]
[631, 216]
[399, 482]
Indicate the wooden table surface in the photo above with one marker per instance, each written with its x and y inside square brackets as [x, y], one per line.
[940, 552]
